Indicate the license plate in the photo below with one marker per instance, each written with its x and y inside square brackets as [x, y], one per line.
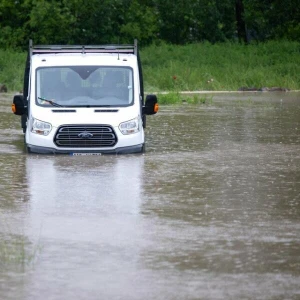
[84, 154]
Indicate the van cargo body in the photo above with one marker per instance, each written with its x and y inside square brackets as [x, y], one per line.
[84, 99]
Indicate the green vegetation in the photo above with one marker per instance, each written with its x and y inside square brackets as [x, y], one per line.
[186, 45]
[17, 251]
[177, 98]
[194, 67]
[12, 65]
[222, 66]
[150, 21]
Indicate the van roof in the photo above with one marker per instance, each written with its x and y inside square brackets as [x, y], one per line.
[69, 59]
[111, 48]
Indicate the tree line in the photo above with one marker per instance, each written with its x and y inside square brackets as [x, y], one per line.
[150, 21]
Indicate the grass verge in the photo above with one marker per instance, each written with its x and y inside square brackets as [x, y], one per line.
[221, 67]
[177, 98]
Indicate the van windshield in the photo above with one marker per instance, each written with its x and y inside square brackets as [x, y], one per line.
[84, 86]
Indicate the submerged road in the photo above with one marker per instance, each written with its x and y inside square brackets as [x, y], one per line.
[211, 211]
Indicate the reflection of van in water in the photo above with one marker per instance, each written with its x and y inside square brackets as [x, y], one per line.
[84, 99]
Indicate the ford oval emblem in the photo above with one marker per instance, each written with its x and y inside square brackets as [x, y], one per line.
[85, 135]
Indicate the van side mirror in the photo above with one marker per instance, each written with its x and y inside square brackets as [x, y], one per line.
[151, 106]
[18, 107]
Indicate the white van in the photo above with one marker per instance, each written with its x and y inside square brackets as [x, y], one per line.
[84, 99]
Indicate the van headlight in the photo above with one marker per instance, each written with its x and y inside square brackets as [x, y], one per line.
[40, 127]
[131, 126]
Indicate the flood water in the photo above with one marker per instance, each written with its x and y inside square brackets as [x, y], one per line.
[210, 211]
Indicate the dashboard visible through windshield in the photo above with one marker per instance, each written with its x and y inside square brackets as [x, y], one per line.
[84, 86]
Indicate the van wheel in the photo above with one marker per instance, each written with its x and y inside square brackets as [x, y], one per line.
[143, 148]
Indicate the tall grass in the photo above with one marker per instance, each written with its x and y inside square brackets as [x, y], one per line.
[226, 66]
[178, 98]
[17, 252]
[202, 66]
[12, 65]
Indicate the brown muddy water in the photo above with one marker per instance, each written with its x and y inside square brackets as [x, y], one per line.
[211, 211]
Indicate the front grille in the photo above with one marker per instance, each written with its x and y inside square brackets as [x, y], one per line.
[85, 136]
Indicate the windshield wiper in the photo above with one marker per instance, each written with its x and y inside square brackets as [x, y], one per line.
[50, 102]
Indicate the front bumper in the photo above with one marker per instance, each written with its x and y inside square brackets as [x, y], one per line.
[121, 150]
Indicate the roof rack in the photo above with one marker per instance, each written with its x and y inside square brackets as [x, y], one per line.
[41, 49]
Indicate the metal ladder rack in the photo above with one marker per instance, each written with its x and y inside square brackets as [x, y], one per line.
[118, 49]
